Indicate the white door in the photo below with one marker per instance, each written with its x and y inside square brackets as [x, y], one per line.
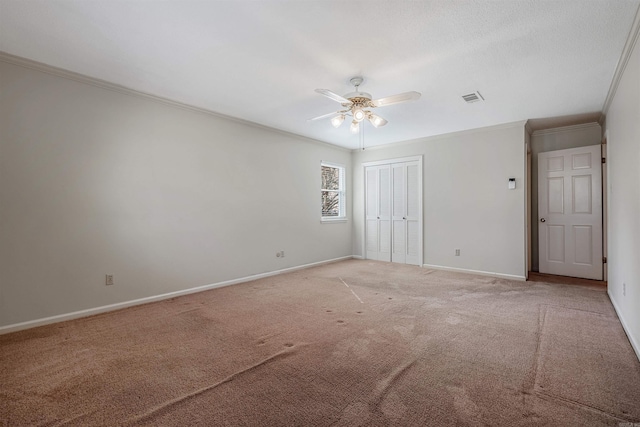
[393, 210]
[398, 213]
[406, 213]
[570, 212]
[378, 212]
[413, 208]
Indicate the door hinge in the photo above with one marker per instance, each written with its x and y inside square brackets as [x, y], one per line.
[604, 160]
[604, 259]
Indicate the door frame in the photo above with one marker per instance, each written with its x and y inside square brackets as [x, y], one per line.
[559, 138]
[363, 171]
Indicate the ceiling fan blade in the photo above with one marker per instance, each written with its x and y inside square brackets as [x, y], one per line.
[324, 116]
[334, 96]
[396, 99]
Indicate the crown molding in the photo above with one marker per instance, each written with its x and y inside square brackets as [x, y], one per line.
[527, 127]
[103, 84]
[566, 128]
[629, 45]
[602, 120]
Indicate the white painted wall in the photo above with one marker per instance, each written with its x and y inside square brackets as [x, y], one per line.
[95, 182]
[550, 140]
[467, 204]
[623, 166]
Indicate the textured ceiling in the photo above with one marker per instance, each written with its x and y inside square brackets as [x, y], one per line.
[261, 60]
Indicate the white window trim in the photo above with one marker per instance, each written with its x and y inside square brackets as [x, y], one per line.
[343, 186]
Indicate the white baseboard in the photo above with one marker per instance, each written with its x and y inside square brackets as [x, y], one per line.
[105, 308]
[357, 257]
[634, 343]
[478, 272]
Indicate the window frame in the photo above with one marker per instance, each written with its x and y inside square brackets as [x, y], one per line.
[342, 190]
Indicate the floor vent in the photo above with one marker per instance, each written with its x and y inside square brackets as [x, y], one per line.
[472, 97]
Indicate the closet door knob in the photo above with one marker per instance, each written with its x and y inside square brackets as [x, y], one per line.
[543, 220]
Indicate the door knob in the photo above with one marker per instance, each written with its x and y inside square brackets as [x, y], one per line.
[542, 220]
[404, 217]
[378, 217]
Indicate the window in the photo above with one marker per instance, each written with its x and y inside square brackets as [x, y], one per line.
[332, 192]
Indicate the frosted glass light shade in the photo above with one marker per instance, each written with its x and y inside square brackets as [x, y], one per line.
[377, 121]
[358, 114]
[355, 127]
[337, 120]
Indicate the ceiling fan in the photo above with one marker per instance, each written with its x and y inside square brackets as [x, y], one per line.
[357, 104]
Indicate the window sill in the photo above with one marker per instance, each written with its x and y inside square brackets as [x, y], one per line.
[328, 220]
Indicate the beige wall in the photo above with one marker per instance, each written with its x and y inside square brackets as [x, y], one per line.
[467, 204]
[95, 182]
[623, 185]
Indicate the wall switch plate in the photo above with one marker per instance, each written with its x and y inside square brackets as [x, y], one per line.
[624, 289]
[512, 183]
[109, 280]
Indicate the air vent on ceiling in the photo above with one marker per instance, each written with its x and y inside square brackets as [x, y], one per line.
[472, 97]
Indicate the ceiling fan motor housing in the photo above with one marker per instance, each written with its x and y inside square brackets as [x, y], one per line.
[358, 97]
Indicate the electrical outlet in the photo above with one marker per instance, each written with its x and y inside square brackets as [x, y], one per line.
[457, 252]
[624, 289]
[278, 254]
[109, 280]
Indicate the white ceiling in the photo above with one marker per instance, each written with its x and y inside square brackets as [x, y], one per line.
[261, 60]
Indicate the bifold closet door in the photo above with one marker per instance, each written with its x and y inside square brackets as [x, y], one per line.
[393, 215]
[378, 213]
[405, 218]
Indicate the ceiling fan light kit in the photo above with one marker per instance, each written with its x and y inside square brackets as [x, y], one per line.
[357, 103]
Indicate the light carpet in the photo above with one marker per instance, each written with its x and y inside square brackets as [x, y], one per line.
[354, 343]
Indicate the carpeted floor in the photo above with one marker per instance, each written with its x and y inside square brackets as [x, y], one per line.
[355, 343]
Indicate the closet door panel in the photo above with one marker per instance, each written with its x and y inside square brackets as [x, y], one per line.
[384, 213]
[398, 212]
[413, 214]
[372, 239]
[371, 212]
[413, 197]
[399, 242]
